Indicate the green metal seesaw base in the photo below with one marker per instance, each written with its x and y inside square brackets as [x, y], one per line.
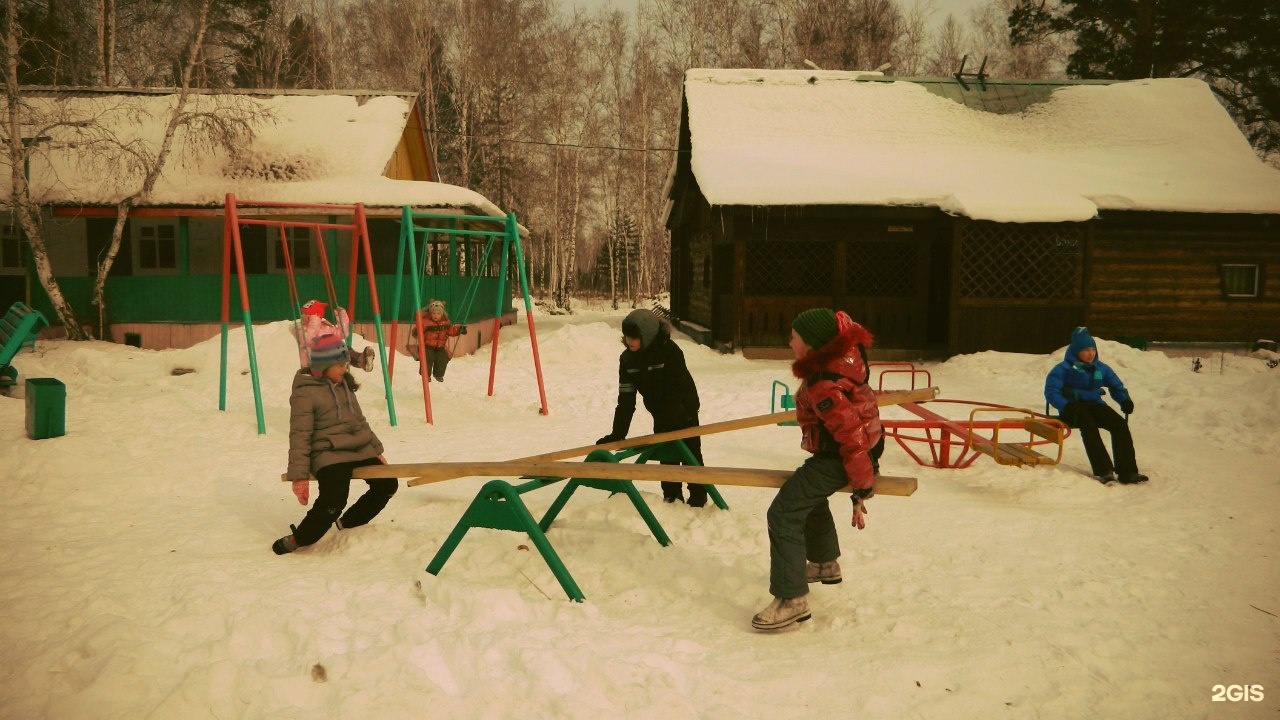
[498, 507]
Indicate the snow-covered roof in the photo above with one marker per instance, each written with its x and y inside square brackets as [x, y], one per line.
[804, 137]
[307, 147]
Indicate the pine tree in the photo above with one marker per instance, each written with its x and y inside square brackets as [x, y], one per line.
[1234, 45]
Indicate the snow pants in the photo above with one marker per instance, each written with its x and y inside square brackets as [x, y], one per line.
[335, 486]
[437, 362]
[671, 490]
[800, 524]
[1089, 418]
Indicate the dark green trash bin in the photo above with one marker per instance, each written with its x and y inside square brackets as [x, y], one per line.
[46, 408]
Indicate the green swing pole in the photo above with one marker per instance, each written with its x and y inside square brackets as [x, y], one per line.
[513, 232]
[406, 225]
[227, 215]
[497, 312]
[416, 284]
[453, 259]
[362, 229]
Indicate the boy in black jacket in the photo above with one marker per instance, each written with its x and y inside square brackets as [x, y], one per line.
[653, 366]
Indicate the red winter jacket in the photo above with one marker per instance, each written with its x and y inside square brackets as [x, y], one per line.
[836, 409]
[436, 331]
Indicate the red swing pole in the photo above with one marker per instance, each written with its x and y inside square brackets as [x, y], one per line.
[232, 217]
[514, 232]
[361, 230]
[423, 373]
[355, 262]
[329, 287]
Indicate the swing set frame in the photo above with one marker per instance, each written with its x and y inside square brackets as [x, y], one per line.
[509, 236]
[232, 243]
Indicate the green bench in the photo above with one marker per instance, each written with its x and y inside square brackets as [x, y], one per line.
[18, 329]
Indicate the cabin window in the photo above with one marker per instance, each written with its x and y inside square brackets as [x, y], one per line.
[11, 255]
[795, 268]
[157, 246]
[298, 240]
[1240, 280]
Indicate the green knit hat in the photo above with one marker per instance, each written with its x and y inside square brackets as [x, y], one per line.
[816, 326]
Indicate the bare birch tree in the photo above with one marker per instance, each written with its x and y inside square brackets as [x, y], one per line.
[208, 123]
[1042, 59]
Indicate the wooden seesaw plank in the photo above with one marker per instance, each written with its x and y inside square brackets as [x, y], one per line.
[749, 477]
[431, 472]
[888, 398]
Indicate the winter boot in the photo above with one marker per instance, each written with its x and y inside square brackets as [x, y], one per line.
[365, 360]
[827, 573]
[1132, 478]
[285, 545]
[697, 496]
[1106, 478]
[782, 613]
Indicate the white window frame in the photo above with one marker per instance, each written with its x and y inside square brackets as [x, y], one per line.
[1257, 280]
[296, 236]
[151, 231]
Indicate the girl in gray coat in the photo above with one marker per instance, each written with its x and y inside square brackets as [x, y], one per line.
[329, 438]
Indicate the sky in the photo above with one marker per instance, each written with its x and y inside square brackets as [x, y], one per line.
[139, 580]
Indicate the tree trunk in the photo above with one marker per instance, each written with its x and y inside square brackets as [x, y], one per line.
[107, 40]
[571, 261]
[20, 200]
[554, 282]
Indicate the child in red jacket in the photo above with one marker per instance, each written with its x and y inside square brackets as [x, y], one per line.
[436, 330]
[840, 421]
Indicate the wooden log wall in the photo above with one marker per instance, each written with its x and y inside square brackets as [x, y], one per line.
[1166, 283]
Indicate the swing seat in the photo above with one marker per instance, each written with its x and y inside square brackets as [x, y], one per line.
[1040, 429]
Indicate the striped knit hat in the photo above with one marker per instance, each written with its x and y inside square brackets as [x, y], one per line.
[326, 350]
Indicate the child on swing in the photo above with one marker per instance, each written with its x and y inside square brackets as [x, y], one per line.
[314, 324]
[436, 330]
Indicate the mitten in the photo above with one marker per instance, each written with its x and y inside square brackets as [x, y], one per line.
[1127, 406]
[1070, 413]
[462, 330]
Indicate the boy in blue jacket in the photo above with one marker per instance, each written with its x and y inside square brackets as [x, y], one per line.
[1076, 387]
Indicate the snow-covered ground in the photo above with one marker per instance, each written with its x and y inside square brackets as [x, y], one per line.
[139, 581]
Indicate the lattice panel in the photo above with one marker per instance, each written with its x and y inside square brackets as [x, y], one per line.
[1020, 261]
[789, 268]
[881, 269]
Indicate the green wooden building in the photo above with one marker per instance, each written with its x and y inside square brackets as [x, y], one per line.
[311, 147]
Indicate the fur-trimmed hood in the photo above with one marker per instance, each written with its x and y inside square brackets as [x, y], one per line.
[839, 356]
